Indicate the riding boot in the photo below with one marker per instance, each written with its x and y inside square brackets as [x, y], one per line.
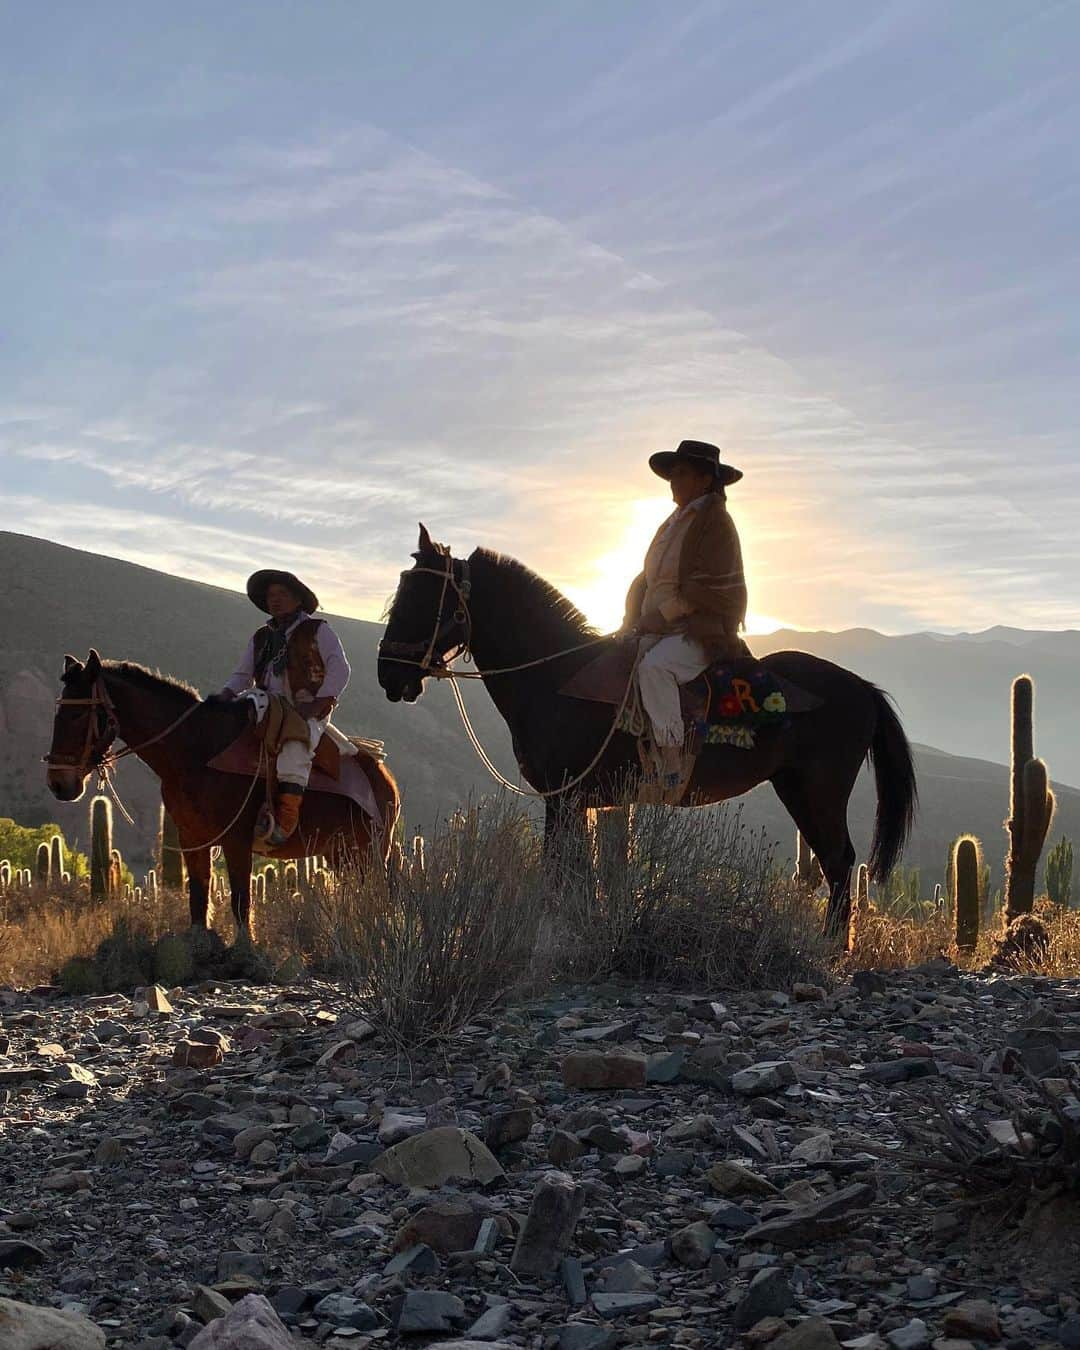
[287, 805]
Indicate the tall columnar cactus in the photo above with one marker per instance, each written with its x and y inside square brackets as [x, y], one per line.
[1031, 806]
[100, 847]
[42, 865]
[807, 868]
[937, 897]
[418, 853]
[965, 871]
[1059, 872]
[56, 858]
[291, 878]
[171, 868]
[116, 874]
[5, 874]
[151, 885]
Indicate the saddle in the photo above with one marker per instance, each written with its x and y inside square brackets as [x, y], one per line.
[340, 768]
[727, 704]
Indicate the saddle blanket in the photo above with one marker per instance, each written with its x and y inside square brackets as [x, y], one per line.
[728, 704]
[340, 772]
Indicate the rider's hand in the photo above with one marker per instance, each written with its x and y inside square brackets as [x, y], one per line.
[222, 696]
[653, 622]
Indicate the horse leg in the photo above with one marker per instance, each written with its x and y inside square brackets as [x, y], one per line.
[237, 850]
[819, 810]
[566, 837]
[198, 870]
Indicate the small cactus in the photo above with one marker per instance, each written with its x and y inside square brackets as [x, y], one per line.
[116, 873]
[43, 865]
[152, 884]
[100, 847]
[5, 874]
[56, 858]
[967, 864]
[292, 881]
[808, 872]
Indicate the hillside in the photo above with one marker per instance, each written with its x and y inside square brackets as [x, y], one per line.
[60, 599]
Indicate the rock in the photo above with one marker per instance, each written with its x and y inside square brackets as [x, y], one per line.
[396, 1126]
[434, 1157]
[597, 1071]
[25, 1326]
[900, 1070]
[549, 1227]
[110, 1151]
[816, 1149]
[769, 1295]
[428, 1310]
[582, 1336]
[760, 1079]
[155, 998]
[813, 1334]
[447, 1226]
[73, 1081]
[345, 1311]
[489, 1326]
[15, 1254]
[207, 1303]
[912, 1336]
[246, 1140]
[810, 1222]
[809, 993]
[693, 1246]
[418, 1260]
[731, 1178]
[623, 1305]
[508, 1127]
[251, 1324]
[248, 1264]
[975, 1319]
[195, 1055]
[629, 1278]
[564, 1147]
[573, 1278]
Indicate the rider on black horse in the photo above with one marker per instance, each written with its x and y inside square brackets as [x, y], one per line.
[689, 603]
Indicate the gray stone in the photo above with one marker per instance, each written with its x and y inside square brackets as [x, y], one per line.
[693, 1245]
[72, 1080]
[345, 1311]
[914, 1335]
[760, 1079]
[549, 1226]
[434, 1157]
[24, 1326]
[900, 1071]
[429, 1310]
[813, 1334]
[573, 1278]
[582, 1336]
[769, 1295]
[251, 1324]
[623, 1305]
[17, 1254]
[418, 1260]
[629, 1278]
[491, 1324]
[250, 1264]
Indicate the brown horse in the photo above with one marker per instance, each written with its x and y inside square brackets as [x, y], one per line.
[507, 616]
[166, 724]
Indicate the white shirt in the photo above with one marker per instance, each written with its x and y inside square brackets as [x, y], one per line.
[330, 649]
[662, 563]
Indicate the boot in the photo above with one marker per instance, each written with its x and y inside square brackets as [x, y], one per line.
[273, 831]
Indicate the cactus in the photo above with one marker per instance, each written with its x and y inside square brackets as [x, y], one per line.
[172, 860]
[291, 878]
[5, 874]
[116, 873]
[1031, 807]
[807, 868]
[860, 911]
[418, 854]
[100, 847]
[56, 858]
[1059, 867]
[938, 902]
[967, 864]
[43, 865]
[151, 884]
[65, 877]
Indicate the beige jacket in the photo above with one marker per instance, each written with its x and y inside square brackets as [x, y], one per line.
[711, 587]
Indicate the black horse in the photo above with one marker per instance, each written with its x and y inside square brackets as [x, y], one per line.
[507, 616]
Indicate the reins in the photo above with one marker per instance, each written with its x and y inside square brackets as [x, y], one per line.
[439, 668]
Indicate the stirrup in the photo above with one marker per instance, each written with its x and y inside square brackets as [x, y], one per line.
[268, 834]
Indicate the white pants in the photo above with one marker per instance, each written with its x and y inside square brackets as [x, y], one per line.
[294, 758]
[669, 662]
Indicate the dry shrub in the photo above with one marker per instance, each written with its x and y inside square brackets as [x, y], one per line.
[690, 898]
[885, 941]
[426, 949]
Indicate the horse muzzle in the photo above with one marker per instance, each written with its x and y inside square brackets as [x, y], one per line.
[400, 683]
[66, 785]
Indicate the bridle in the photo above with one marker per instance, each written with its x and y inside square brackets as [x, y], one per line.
[434, 656]
[102, 728]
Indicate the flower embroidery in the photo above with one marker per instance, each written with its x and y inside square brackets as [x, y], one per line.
[730, 706]
[775, 703]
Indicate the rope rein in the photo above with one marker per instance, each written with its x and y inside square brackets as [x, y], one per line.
[440, 669]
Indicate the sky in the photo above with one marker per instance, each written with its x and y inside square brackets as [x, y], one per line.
[280, 281]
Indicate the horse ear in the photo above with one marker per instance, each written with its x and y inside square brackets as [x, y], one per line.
[70, 665]
[93, 662]
[425, 544]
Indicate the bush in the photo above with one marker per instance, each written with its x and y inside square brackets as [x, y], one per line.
[80, 976]
[173, 961]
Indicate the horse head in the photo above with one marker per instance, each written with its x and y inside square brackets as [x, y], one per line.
[83, 729]
[427, 623]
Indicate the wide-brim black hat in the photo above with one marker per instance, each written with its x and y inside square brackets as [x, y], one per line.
[701, 455]
[260, 582]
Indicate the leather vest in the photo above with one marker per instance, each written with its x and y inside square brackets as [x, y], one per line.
[303, 660]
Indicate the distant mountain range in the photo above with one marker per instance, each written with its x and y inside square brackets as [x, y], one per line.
[953, 692]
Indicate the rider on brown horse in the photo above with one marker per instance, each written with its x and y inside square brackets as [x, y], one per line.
[690, 601]
[302, 659]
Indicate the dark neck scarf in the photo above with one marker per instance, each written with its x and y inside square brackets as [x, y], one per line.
[277, 654]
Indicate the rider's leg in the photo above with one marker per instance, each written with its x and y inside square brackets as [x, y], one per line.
[672, 661]
[293, 771]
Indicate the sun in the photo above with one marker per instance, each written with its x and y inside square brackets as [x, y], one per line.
[602, 593]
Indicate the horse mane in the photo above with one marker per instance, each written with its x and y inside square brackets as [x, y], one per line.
[152, 680]
[533, 599]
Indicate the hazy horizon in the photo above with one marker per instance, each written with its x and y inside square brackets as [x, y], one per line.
[277, 291]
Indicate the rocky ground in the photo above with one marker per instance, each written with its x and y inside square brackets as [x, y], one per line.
[608, 1167]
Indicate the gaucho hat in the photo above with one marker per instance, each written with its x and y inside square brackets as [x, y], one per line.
[260, 582]
[700, 454]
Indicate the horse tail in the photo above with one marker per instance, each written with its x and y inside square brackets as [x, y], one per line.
[897, 793]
